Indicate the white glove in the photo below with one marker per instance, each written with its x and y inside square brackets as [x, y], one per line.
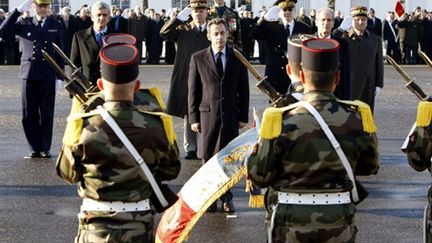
[25, 6]
[346, 23]
[377, 91]
[273, 14]
[184, 14]
[59, 85]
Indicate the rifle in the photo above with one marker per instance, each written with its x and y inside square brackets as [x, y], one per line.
[76, 86]
[411, 85]
[276, 99]
[425, 58]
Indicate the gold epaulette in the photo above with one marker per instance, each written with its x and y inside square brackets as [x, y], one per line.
[424, 113]
[167, 123]
[156, 93]
[271, 125]
[365, 113]
[74, 126]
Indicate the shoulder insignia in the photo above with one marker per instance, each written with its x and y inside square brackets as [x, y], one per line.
[424, 113]
[157, 94]
[365, 113]
[271, 125]
[167, 123]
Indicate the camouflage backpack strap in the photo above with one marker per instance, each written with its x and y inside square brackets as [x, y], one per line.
[365, 113]
[424, 113]
[271, 125]
[155, 91]
[167, 123]
[74, 127]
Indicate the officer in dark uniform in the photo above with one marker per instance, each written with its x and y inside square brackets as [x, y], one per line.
[276, 26]
[39, 78]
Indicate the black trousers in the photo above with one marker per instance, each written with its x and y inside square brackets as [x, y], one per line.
[38, 98]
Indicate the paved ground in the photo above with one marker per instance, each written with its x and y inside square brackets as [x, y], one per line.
[36, 206]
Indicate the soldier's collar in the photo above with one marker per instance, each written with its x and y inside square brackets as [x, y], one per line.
[318, 95]
[118, 104]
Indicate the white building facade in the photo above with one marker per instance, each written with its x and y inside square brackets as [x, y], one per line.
[381, 6]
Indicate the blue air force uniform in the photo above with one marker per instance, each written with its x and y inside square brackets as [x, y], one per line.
[39, 78]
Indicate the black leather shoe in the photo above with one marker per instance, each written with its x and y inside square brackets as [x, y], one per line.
[33, 155]
[191, 155]
[45, 154]
[213, 208]
[228, 206]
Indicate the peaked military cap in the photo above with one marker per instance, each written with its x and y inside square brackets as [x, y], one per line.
[119, 63]
[119, 38]
[320, 55]
[198, 4]
[294, 47]
[284, 4]
[358, 11]
[42, 2]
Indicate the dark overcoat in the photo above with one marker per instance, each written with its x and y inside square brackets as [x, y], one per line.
[217, 103]
[365, 63]
[85, 53]
[188, 40]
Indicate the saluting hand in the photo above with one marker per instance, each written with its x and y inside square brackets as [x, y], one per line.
[273, 14]
[25, 6]
[184, 14]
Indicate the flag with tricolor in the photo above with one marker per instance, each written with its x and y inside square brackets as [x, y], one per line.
[399, 9]
[213, 179]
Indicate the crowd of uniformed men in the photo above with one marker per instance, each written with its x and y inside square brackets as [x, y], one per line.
[309, 150]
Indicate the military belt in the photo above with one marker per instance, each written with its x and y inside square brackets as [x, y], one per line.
[118, 206]
[314, 198]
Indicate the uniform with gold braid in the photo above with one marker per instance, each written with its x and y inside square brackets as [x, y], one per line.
[118, 198]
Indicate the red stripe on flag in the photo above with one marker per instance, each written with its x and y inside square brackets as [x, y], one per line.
[399, 9]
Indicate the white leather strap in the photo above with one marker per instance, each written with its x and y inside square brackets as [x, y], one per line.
[120, 134]
[93, 205]
[335, 145]
[314, 198]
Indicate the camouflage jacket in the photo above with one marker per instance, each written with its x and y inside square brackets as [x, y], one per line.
[93, 156]
[234, 28]
[300, 158]
[419, 148]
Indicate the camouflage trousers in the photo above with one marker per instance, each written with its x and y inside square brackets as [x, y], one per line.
[116, 227]
[312, 223]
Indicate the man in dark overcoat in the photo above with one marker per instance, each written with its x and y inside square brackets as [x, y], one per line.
[366, 68]
[87, 43]
[39, 80]
[70, 27]
[189, 38]
[218, 97]
[276, 26]
[138, 27]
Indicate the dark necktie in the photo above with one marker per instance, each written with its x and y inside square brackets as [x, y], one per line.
[200, 29]
[287, 28]
[99, 38]
[40, 23]
[219, 65]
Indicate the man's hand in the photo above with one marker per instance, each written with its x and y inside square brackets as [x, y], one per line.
[346, 23]
[25, 6]
[184, 14]
[272, 14]
[377, 91]
[58, 85]
[196, 127]
[242, 124]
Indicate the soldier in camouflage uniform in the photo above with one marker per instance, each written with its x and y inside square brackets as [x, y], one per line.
[419, 152]
[295, 158]
[115, 190]
[220, 10]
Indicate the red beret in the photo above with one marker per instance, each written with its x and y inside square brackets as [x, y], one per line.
[119, 63]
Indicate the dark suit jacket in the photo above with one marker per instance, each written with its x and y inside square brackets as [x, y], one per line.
[376, 27]
[217, 103]
[68, 32]
[121, 26]
[85, 53]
